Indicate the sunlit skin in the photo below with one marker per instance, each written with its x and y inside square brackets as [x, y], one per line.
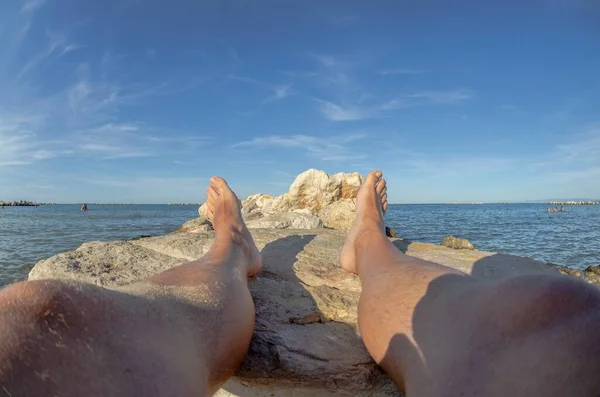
[436, 331]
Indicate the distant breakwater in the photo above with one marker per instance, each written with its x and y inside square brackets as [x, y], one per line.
[20, 203]
[574, 203]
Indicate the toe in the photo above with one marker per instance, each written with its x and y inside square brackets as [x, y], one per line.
[211, 193]
[373, 178]
[381, 186]
[218, 183]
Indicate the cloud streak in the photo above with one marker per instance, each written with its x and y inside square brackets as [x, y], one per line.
[333, 149]
[280, 92]
[399, 71]
[357, 111]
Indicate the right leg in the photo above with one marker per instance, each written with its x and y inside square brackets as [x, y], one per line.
[438, 331]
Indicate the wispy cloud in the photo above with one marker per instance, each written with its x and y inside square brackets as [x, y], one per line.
[443, 97]
[342, 96]
[332, 149]
[280, 92]
[335, 73]
[32, 5]
[359, 111]
[582, 148]
[388, 72]
[55, 49]
[335, 112]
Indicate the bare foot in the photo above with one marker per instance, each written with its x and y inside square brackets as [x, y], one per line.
[224, 213]
[371, 204]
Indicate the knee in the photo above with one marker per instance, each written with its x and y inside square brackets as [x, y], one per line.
[47, 303]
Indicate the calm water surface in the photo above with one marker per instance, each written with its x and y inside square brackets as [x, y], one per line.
[29, 234]
[572, 238]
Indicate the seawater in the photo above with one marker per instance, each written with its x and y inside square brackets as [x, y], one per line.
[572, 238]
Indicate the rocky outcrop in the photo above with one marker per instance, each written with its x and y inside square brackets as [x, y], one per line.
[591, 274]
[315, 190]
[328, 197]
[306, 340]
[457, 243]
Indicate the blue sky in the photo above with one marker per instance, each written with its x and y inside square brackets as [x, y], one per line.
[142, 101]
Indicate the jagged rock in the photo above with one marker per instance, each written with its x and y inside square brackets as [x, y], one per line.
[390, 232]
[315, 190]
[457, 243]
[286, 220]
[339, 215]
[306, 340]
[198, 225]
[330, 197]
[591, 274]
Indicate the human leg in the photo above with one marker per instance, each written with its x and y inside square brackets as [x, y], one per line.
[437, 331]
[182, 332]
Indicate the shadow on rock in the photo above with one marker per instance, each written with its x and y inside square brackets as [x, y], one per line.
[295, 344]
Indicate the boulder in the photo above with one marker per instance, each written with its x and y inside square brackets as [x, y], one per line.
[339, 215]
[457, 243]
[306, 340]
[286, 220]
[330, 197]
[315, 190]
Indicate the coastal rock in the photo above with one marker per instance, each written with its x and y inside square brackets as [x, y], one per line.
[306, 340]
[457, 243]
[390, 232]
[330, 197]
[315, 190]
[198, 225]
[286, 220]
[203, 210]
[591, 274]
[339, 215]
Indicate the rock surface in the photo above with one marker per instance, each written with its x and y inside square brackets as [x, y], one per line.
[457, 243]
[591, 274]
[339, 215]
[329, 197]
[306, 339]
[198, 225]
[286, 220]
[390, 232]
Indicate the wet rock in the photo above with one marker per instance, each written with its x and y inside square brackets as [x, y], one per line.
[390, 232]
[457, 243]
[591, 274]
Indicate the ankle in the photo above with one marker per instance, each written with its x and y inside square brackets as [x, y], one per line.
[369, 245]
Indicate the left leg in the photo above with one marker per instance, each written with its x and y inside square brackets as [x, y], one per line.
[180, 333]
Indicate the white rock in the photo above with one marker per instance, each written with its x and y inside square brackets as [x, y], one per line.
[286, 220]
[339, 215]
